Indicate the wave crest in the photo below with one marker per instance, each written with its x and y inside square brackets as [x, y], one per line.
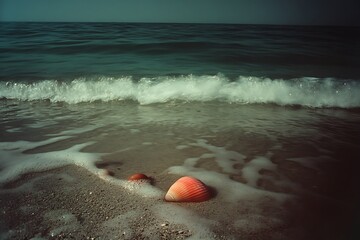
[311, 92]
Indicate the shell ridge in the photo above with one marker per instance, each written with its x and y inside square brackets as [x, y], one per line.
[188, 189]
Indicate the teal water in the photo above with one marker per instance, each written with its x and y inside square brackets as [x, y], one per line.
[145, 62]
[38, 51]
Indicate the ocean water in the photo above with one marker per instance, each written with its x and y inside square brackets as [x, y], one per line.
[256, 112]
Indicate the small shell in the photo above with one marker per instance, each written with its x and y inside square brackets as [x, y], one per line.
[138, 176]
[188, 189]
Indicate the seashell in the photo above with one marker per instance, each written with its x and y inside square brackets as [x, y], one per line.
[188, 189]
[138, 176]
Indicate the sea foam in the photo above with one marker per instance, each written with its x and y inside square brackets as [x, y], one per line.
[306, 91]
[198, 225]
[227, 189]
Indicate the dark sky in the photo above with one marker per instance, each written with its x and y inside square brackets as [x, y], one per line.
[314, 12]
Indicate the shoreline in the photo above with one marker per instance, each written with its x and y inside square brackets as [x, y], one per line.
[279, 172]
[72, 203]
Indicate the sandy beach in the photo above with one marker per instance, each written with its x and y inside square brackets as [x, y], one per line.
[72, 203]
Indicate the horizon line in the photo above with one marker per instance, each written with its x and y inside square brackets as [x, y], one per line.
[205, 23]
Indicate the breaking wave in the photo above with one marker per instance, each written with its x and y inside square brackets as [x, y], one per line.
[310, 92]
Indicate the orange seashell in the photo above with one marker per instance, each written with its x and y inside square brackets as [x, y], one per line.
[188, 189]
[138, 176]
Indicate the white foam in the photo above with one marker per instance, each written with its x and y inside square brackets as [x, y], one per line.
[133, 131]
[41, 123]
[75, 131]
[142, 187]
[13, 130]
[228, 190]
[62, 221]
[306, 91]
[224, 158]
[22, 163]
[61, 216]
[251, 170]
[201, 228]
[180, 147]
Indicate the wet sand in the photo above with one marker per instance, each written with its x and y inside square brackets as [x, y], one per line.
[72, 203]
[294, 180]
[43, 200]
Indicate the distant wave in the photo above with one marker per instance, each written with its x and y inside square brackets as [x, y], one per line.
[309, 92]
[76, 47]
